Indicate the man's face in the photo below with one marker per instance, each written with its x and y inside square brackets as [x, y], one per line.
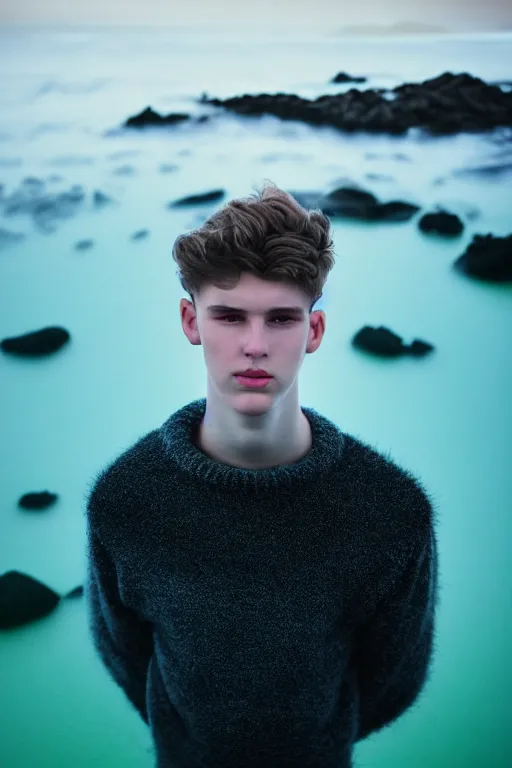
[253, 334]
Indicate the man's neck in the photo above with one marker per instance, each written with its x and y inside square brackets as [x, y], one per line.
[262, 456]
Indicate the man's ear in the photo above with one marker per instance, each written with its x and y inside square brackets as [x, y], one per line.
[188, 316]
[316, 331]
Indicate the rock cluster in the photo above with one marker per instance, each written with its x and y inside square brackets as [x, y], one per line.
[443, 105]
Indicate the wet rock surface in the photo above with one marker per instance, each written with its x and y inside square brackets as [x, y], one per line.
[384, 343]
[488, 258]
[149, 117]
[441, 222]
[24, 599]
[353, 202]
[212, 196]
[37, 500]
[444, 105]
[45, 341]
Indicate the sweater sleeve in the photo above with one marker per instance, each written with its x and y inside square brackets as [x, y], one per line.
[123, 641]
[395, 648]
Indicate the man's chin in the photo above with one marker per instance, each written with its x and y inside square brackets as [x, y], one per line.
[252, 401]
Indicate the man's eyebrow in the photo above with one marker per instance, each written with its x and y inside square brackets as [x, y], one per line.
[225, 308]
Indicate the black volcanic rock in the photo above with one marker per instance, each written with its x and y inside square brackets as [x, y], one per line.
[39, 500]
[487, 257]
[394, 211]
[342, 77]
[37, 343]
[384, 343]
[148, 117]
[76, 592]
[444, 105]
[356, 203]
[203, 197]
[24, 600]
[441, 223]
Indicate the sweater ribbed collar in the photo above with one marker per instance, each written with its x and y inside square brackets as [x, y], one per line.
[324, 456]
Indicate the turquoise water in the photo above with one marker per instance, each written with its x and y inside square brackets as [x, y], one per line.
[63, 97]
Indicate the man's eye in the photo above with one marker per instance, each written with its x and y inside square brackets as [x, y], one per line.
[286, 318]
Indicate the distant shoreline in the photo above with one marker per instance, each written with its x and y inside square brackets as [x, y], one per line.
[304, 31]
[349, 31]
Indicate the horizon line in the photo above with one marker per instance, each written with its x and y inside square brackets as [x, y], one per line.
[220, 25]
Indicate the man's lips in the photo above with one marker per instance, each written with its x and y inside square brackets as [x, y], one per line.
[253, 381]
[251, 375]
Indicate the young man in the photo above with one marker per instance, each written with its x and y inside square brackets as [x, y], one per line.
[255, 423]
[261, 584]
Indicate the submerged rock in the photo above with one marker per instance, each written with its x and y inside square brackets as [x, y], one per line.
[9, 238]
[84, 245]
[100, 199]
[140, 235]
[378, 177]
[32, 185]
[168, 168]
[45, 208]
[483, 171]
[124, 170]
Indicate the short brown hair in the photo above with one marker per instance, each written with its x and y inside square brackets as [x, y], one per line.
[268, 234]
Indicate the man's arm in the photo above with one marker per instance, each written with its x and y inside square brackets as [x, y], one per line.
[395, 649]
[123, 641]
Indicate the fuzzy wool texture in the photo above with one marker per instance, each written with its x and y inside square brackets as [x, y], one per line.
[264, 618]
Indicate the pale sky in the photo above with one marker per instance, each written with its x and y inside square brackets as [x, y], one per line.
[458, 15]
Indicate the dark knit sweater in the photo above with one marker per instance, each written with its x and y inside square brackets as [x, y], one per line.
[261, 618]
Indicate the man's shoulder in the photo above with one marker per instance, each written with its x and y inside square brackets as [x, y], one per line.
[394, 487]
[393, 514]
[125, 480]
